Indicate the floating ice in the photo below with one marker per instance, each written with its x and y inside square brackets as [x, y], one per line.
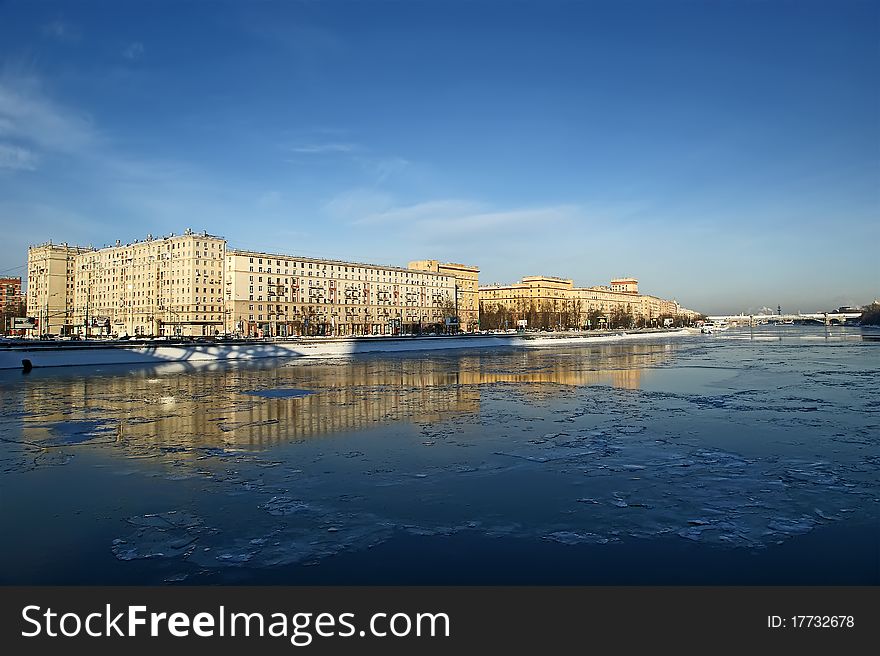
[162, 535]
[572, 538]
[282, 505]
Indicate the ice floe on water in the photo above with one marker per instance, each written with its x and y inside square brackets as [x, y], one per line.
[284, 506]
[281, 393]
[568, 448]
[170, 534]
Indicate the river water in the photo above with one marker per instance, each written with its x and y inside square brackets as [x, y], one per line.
[744, 457]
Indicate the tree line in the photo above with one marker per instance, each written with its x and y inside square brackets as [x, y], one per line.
[568, 314]
[9, 311]
[871, 315]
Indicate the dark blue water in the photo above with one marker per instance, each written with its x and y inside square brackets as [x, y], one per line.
[745, 457]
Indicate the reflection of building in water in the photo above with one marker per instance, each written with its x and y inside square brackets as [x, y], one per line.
[217, 408]
[621, 367]
[214, 408]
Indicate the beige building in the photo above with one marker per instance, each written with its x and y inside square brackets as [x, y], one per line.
[167, 286]
[50, 286]
[555, 303]
[467, 304]
[282, 295]
[192, 284]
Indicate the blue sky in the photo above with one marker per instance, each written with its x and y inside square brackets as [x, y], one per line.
[725, 153]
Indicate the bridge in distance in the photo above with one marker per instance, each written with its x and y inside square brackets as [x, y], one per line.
[827, 318]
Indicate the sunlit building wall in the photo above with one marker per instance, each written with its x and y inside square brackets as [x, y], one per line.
[576, 305]
[467, 305]
[270, 294]
[50, 286]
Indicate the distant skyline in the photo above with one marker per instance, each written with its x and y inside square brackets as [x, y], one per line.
[727, 154]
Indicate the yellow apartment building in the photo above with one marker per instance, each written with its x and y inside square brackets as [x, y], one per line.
[467, 283]
[159, 286]
[270, 294]
[555, 303]
[193, 285]
[50, 286]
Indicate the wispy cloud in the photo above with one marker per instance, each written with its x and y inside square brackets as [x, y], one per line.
[61, 30]
[324, 148]
[357, 203]
[536, 219]
[269, 199]
[17, 158]
[134, 50]
[444, 217]
[383, 168]
[334, 142]
[159, 192]
[28, 116]
[435, 210]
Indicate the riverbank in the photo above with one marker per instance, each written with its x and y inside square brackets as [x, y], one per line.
[29, 354]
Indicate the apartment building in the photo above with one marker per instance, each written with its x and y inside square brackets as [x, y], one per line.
[10, 293]
[159, 286]
[50, 286]
[282, 295]
[467, 304]
[193, 284]
[552, 302]
[10, 303]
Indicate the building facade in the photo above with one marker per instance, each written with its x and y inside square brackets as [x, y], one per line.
[10, 302]
[10, 293]
[555, 303]
[467, 283]
[50, 286]
[164, 287]
[282, 295]
[194, 285]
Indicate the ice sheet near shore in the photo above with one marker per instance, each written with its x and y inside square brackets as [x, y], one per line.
[82, 354]
[728, 443]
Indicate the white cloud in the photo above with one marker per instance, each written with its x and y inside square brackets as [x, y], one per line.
[17, 158]
[458, 217]
[383, 168]
[324, 148]
[62, 30]
[356, 203]
[269, 199]
[27, 115]
[134, 50]
[435, 210]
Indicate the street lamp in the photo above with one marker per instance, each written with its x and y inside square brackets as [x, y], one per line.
[456, 306]
[44, 327]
